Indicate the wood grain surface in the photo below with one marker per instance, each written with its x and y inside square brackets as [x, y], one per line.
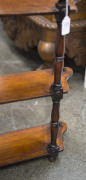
[28, 143]
[23, 86]
[15, 7]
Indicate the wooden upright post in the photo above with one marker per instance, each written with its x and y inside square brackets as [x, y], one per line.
[56, 88]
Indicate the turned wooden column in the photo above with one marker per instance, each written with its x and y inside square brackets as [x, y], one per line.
[56, 88]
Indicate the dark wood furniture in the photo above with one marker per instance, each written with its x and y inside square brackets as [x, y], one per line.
[40, 31]
[42, 140]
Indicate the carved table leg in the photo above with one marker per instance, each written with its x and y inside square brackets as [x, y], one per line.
[46, 47]
[56, 90]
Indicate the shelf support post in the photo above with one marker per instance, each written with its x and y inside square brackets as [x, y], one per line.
[56, 88]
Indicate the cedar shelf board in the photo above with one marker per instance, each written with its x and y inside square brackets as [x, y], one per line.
[28, 85]
[28, 7]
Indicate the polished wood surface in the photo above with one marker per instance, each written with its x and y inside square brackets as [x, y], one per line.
[28, 143]
[43, 140]
[28, 85]
[56, 88]
[15, 7]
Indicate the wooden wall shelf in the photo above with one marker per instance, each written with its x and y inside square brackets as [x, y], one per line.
[24, 7]
[28, 143]
[43, 140]
[32, 142]
[29, 85]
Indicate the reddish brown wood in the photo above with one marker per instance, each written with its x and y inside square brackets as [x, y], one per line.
[22, 86]
[28, 143]
[56, 88]
[15, 7]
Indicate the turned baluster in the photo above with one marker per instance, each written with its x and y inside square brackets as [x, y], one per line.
[56, 88]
